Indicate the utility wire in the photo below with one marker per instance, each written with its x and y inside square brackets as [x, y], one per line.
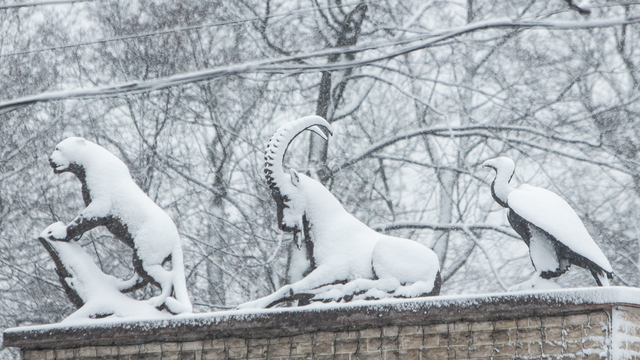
[282, 65]
[178, 29]
[38, 3]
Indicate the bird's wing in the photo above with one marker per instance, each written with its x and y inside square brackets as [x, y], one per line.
[552, 214]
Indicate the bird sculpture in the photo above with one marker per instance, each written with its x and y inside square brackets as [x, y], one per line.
[553, 231]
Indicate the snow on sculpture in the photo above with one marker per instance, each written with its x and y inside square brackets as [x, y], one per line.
[113, 200]
[553, 231]
[347, 257]
[94, 293]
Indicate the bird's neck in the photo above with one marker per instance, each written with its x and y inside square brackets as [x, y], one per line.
[500, 188]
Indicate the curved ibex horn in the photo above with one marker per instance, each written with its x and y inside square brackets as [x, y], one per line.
[279, 142]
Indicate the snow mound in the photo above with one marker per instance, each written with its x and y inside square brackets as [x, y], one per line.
[99, 292]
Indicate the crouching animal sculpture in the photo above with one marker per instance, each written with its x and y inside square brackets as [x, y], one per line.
[114, 200]
[341, 248]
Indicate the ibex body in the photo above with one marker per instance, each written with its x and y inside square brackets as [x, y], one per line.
[341, 247]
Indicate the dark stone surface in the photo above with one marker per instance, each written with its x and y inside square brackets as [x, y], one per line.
[286, 322]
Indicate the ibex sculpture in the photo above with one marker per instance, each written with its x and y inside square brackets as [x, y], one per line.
[341, 247]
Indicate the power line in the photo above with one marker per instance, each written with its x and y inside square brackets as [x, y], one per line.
[178, 29]
[280, 65]
[38, 3]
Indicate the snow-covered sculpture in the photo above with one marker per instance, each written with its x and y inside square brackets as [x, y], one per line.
[553, 231]
[341, 248]
[94, 293]
[114, 200]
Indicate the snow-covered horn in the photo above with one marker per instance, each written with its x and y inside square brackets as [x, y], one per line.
[279, 142]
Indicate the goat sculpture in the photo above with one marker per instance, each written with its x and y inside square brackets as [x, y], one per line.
[341, 248]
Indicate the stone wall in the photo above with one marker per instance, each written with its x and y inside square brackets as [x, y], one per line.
[501, 326]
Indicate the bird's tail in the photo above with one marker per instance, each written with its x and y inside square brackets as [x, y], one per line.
[602, 277]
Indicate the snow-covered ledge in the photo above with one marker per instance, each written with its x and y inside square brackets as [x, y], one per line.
[589, 323]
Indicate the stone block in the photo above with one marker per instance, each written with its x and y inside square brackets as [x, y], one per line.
[390, 343]
[369, 355]
[323, 357]
[439, 353]
[481, 351]
[436, 329]
[592, 357]
[104, 351]
[435, 340]
[212, 353]
[484, 325]
[301, 348]
[239, 352]
[370, 333]
[411, 330]
[573, 331]
[171, 355]
[134, 349]
[85, 352]
[458, 352]
[390, 355]
[63, 354]
[505, 324]
[505, 350]
[409, 354]
[459, 339]
[341, 335]
[373, 344]
[593, 343]
[147, 356]
[529, 334]
[462, 326]
[633, 346]
[390, 331]
[600, 318]
[580, 319]
[482, 337]
[323, 347]
[573, 347]
[235, 343]
[213, 344]
[501, 336]
[411, 341]
[301, 339]
[191, 346]
[191, 355]
[552, 333]
[256, 352]
[534, 322]
[166, 347]
[278, 349]
[551, 348]
[150, 348]
[552, 321]
[347, 346]
[51, 354]
[324, 336]
[533, 349]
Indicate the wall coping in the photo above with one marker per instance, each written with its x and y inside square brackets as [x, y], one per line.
[270, 323]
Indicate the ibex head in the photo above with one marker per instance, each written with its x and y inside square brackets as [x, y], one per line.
[287, 188]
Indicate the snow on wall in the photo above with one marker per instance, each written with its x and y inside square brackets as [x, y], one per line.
[551, 298]
[625, 337]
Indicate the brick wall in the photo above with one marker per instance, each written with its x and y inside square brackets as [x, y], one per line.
[581, 336]
[495, 327]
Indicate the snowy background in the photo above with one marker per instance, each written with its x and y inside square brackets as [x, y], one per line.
[437, 88]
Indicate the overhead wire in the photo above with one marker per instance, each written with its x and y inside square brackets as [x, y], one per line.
[178, 29]
[38, 3]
